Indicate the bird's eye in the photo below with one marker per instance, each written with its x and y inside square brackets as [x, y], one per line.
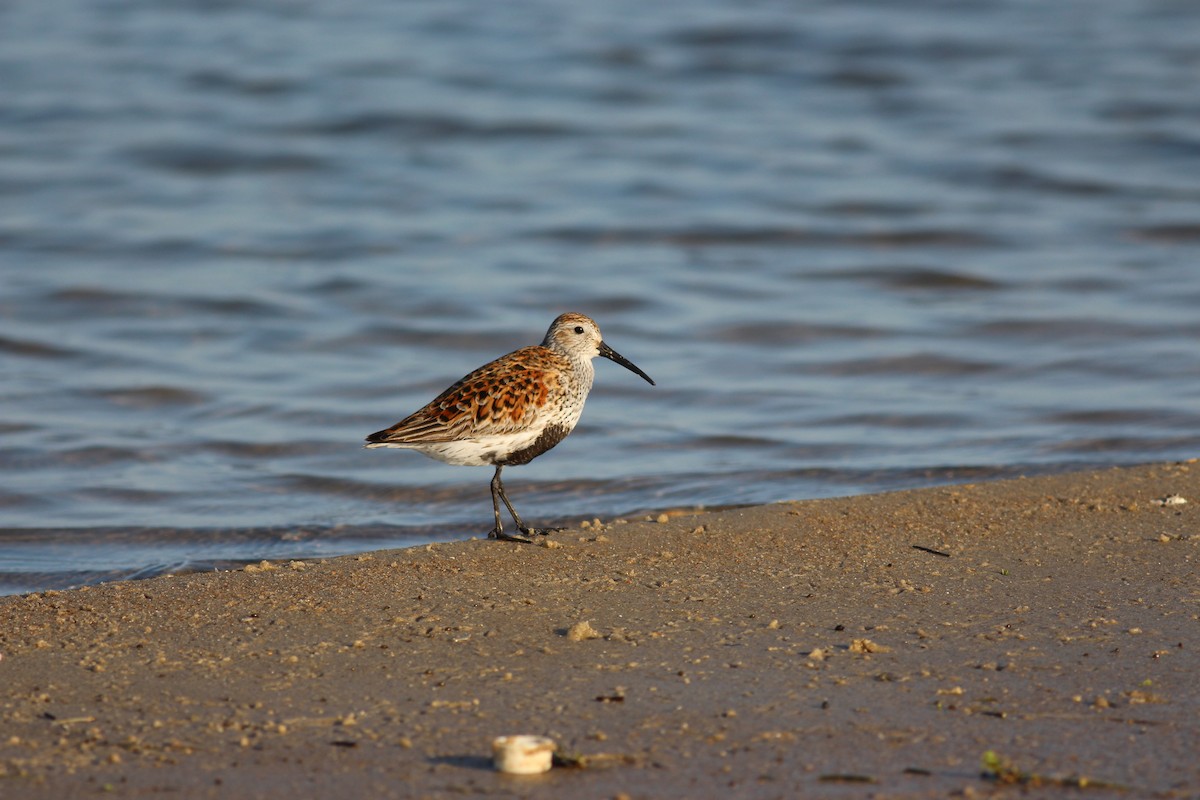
[579, 329]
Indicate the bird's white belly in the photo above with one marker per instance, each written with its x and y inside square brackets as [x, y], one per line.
[481, 451]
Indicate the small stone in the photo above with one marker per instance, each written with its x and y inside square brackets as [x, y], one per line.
[581, 631]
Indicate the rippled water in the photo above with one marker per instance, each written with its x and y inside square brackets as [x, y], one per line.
[858, 245]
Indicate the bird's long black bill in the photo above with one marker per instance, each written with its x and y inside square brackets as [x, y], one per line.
[614, 356]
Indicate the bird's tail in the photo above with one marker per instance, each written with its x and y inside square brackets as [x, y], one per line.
[380, 439]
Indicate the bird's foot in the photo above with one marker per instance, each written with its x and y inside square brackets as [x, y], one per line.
[500, 535]
[540, 531]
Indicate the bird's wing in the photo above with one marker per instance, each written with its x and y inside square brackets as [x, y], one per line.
[498, 398]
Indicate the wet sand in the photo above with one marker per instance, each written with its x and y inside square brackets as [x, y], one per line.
[868, 646]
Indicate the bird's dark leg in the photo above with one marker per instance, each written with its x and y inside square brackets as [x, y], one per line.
[498, 531]
[498, 495]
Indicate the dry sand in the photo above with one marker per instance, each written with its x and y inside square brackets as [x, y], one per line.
[803, 648]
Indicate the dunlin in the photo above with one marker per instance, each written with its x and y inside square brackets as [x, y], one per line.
[510, 411]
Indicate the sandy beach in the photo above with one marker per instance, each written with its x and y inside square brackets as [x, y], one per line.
[868, 646]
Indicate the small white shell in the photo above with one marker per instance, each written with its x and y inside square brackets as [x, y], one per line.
[523, 755]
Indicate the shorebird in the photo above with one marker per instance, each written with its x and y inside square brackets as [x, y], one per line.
[510, 411]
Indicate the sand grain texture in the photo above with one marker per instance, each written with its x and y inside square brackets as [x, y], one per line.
[761, 652]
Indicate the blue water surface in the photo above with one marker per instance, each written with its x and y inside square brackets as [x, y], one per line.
[859, 246]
